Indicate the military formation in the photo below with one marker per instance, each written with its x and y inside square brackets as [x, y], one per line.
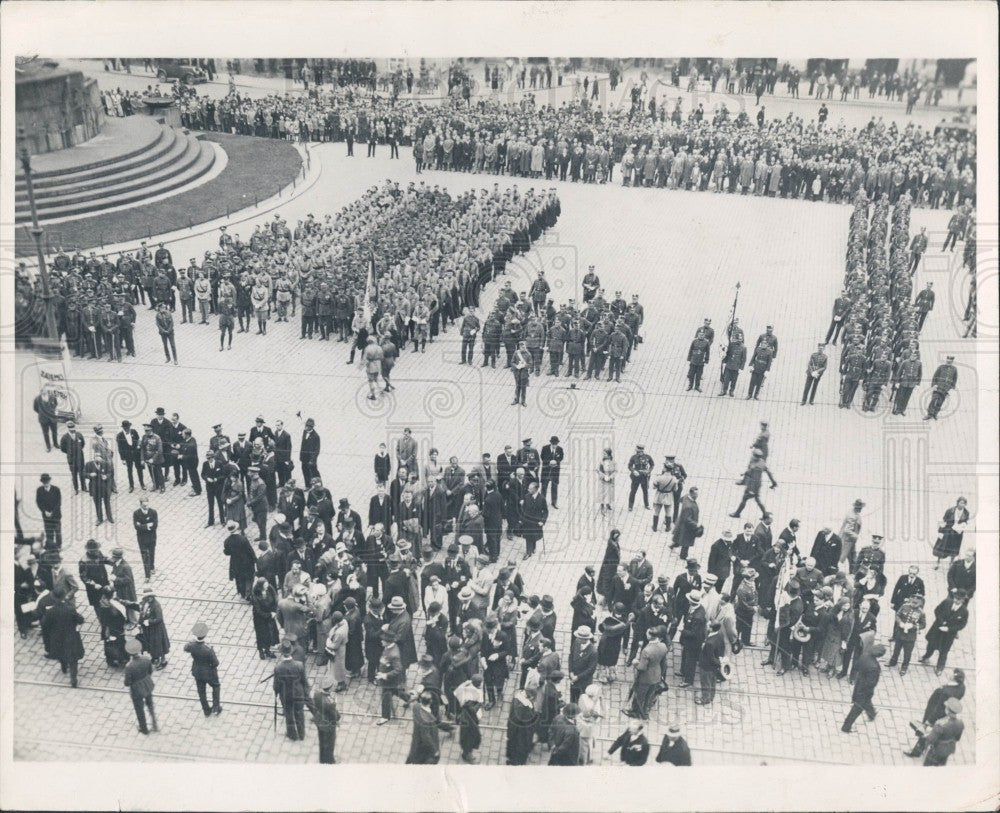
[537, 337]
[875, 318]
[428, 255]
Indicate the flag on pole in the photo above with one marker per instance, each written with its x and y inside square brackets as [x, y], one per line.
[370, 287]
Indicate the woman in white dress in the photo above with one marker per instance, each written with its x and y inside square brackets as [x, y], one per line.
[606, 482]
[591, 710]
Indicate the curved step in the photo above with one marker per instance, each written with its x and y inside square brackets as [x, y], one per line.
[202, 164]
[176, 146]
[119, 140]
[192, 150]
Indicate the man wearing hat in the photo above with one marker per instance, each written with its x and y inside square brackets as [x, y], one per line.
[944, 734]
[145, 521]
[685, 582]
[950, 618]
[48, 499]
[710, 663]
[780, 632]
[640, 465]
[552, 458]
[204, 668]
[674, 748]
[326, 717]
[944, 381]
[582, 662]
[865, 681]
[534, 514]
[850, 530]
[61, 629]
[720, 559]
[139, 680]
[292, 688]
[100, 479]
[309, 450]
[72, 445]
[131, 455]
[650, 673]
[693, 632]
[151, 448]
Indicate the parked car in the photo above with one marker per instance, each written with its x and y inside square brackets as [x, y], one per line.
[184, 70]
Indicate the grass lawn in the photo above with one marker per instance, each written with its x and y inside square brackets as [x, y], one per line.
[257, 169]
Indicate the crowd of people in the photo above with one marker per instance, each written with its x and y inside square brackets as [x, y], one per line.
[652, 146]
[351, 593]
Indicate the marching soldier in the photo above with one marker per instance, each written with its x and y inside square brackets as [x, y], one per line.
[878, 377]
[944, 381]
[908, 376]
[841, 310]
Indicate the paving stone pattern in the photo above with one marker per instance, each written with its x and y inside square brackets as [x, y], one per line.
[683, 253]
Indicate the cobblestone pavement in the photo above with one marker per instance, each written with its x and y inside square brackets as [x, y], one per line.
[683, 253]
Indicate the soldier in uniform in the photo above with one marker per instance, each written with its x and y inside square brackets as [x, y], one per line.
[576, 340]
[557, 342]
[521, 365]
[698, 355]
[878, 376]
[841, 310]
[618, 347]
[944, 381]
[736, 359]
[852, 368]
[924, 304]
[591, 283]
[814, 372]
[907, 377]
[491, 339]
[760, 364]
[599, 341]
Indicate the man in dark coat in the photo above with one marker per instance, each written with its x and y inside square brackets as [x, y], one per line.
[687, 530]
[935, 709]
[907, 586]
[145, 521]
[865, 681]
[493, 519]
[633, 745]
[309, 452]
[720, 558]
[48, 499]
[131, 455]
[139, 680]
[326, 716]
[674, 748]
[72, 444]
[534, 514]
[693, 632]
[582, 662]
[826, 551]
[204, 668]
[425, 746]
[242, 559]
[552, 457]
[61, 627]
[564, 737]
[950, 618]
[292, 689]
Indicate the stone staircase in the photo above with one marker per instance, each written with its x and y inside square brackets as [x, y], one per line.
[158, 160]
